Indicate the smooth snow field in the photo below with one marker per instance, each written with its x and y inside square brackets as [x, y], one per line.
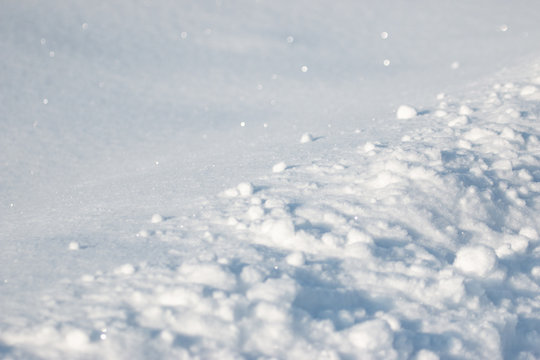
[270, 179]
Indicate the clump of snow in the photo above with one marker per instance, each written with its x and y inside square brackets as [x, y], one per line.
[465, 110]
[73, 245]
[476, 260]
[528, 90]
[459, 121]
[126, 269]
[426, 355]
[76, 339]
[306, 138]
[156, 218]
[529, 233]
[296, 258]
[406, 112]
[245, 189]
[279, 167]
[373, 335]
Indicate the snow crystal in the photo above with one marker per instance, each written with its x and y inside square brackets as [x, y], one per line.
[384, 35]
[476, 260]
[386, 62]
[279, 167]
[304, 68]
[156, 218]
[405, 112]
[306, 138]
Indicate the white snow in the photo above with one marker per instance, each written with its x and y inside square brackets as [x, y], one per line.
[405, 112]
[306, 138]
[279, 167]
[475, 260]
[378, 239]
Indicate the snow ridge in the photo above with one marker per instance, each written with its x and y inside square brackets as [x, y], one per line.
[427, 248]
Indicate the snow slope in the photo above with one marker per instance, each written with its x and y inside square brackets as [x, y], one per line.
[159, 199]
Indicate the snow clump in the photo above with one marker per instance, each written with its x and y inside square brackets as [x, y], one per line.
[245, 189]
[306, 138]
[279, 167]
[156, 218]
[406, 112]
[475, 260]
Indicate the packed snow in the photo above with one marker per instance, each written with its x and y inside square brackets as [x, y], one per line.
[216, 180]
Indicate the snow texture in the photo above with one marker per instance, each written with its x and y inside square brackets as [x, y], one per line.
[382, 239]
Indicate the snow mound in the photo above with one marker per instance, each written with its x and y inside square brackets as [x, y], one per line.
[424, 248]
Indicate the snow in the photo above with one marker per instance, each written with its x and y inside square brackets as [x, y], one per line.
[162, 194]
[279, 167]
[405, 112]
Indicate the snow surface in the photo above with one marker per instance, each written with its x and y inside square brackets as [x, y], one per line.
[156, 202]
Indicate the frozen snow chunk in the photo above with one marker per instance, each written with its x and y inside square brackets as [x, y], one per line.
[306, 138]
[296, 258]
[465, 110]
[405, 112]
[440, 113]
[356, 236]
[255, 212]
[477, 133]
[279, 167]
[271, 313]
[369, 146]
[529, 233]
[459, 121]
[245, 189]
[503, 165]
[475, 260]
[372, 335]
[76, 339]
[230, 193]
[279, 291]
[143, 233]
[156, 218]
[126, 269]
[426, 355]
[210, 274]
[73, 245]
[250, 275]
[281, 231]
[528, 90]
